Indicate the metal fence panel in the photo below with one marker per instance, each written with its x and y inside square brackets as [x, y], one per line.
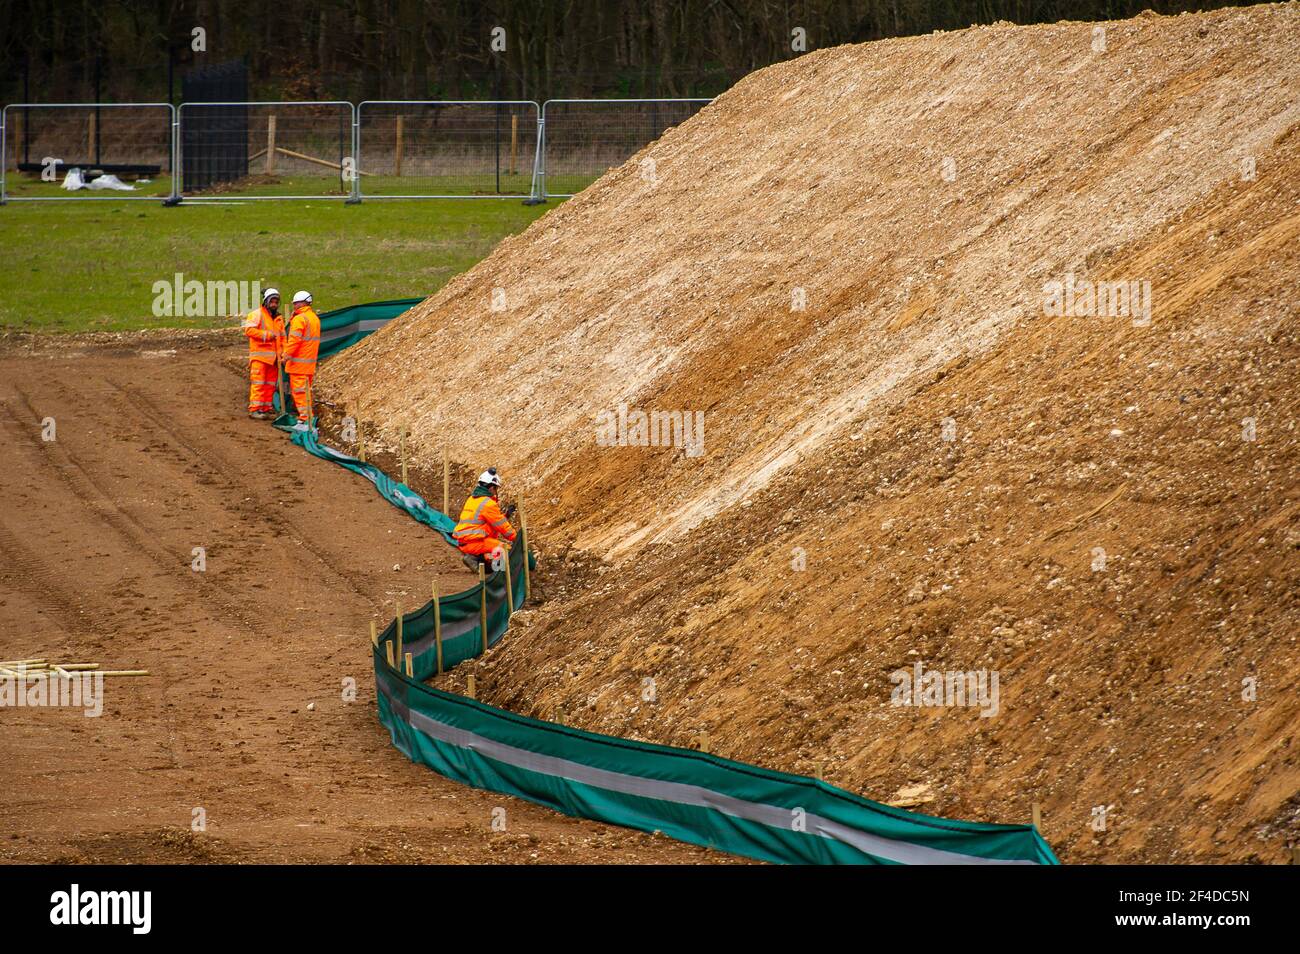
[42, 143]
[330, 149]
[267, 150]
[442, 149]
[582, 139]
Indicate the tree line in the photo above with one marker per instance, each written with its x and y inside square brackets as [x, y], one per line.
[123, 50]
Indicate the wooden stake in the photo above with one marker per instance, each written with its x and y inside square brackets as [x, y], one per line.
[446, 484]
[320, 162]
[1036, 812]
[437, 626]
[482, 605]
[270, 145]
[410, 671]
[510, 590]
[399, 630]
[470, 687]
[374, 635]
[388, 651]
[523, 540]
[704, 741]
[90, 149]
[279, 373]
[397, 157]
[361, 439]
[402, 444]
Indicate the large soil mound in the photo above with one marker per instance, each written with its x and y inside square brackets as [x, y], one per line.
[1101, 510]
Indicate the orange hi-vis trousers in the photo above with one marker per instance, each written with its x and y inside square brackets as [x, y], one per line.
[300, 385]
[485, 546]
[261, 387]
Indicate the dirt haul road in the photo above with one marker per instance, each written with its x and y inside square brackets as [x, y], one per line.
[153, 456]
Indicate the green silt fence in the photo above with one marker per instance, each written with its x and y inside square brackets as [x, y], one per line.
[692, 796]
[344, 327]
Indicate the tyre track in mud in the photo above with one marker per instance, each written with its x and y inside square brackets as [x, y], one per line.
[20, 566]
[152, 416]
[91, 558]
[172, 566]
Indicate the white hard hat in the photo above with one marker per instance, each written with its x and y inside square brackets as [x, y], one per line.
[270, 293]
[490, 477]
[301, 296]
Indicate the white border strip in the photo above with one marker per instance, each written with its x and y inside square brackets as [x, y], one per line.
[684, 794]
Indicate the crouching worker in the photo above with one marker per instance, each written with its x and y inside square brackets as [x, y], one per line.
[264, 329]
[483, 529]
[301, 347]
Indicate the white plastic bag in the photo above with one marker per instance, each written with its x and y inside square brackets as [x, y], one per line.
[110, 182]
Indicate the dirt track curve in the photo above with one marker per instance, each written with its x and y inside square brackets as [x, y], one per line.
[153, 457]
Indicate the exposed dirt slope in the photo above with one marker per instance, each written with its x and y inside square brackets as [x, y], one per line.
[1075, 438]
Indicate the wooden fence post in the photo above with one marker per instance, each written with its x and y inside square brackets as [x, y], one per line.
[402, 444]
[510, 589]
[482, 605]
[270, 145]
[523, 540]
[437, 625]
[399, 630]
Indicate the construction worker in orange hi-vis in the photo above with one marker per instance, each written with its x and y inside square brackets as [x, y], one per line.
[483, 531]
[300, 349]
[264, 329]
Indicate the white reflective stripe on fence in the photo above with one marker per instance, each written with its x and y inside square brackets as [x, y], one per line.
[582, 139]
[259, 150]
[87, 150]
[447, 149]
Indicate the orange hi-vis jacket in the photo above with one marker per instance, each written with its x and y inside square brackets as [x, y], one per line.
[303, 343]
[264, 333]
[481, 518]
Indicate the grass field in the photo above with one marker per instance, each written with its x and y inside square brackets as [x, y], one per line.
[91, 266]
[324, 186]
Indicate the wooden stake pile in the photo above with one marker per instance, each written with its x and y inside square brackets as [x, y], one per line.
[41, 666]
